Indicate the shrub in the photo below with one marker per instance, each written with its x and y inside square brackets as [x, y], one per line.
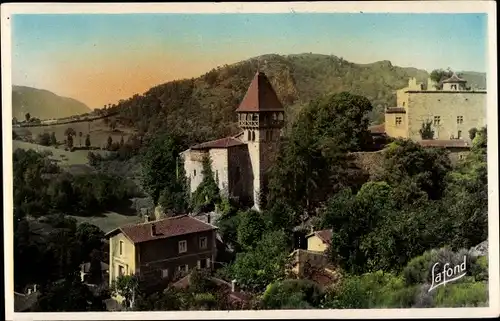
[466, 294]
[292, 294]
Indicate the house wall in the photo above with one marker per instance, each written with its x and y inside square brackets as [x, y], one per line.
[396, 130]
[158, 255]
[426, 105]
[127, 259]
[314, 243]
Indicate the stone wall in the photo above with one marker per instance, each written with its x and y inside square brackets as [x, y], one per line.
[448, 106]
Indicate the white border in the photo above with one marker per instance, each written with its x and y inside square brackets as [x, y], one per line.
[347, 7]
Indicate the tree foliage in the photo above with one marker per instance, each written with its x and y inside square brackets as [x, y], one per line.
[207, 194]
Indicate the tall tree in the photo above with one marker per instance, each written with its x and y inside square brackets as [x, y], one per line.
[426, 132]
[159, 164]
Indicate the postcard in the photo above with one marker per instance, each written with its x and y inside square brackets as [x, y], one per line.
[250, 160]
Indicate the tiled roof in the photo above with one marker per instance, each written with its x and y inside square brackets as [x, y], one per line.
[377, 129]
[395, 110]
[457, 143]
[454, 78]
[184, 282]
[324, 235]
[260, 96]
[169, 227]
[219, 143]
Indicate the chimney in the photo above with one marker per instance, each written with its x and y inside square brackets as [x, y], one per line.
[153, 230]
[233, 286]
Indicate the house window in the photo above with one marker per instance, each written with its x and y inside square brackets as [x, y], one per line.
[194, 173]
[460, 119]
[460, 157]
[249, 135]
[459, 136]
[454, 87]
[121, 270]
[437, 120]
[208, 262]
[164, 273]
[398, 121]
[271, 135]
[182, 246]
[183, 268]
[203, 242]
[121, 247]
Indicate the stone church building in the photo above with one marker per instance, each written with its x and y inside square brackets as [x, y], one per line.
[240, 162]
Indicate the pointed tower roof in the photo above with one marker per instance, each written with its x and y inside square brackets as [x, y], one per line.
[454, 79]
[260, 96]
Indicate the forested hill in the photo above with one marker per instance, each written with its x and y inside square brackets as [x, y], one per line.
[203, 108]
[43, 104]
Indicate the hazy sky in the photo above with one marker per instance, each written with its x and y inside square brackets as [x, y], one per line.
[99, 58]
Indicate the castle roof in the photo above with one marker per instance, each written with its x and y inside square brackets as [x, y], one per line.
[454, 79]
[169, 227]
[260, 96]
[219, 143]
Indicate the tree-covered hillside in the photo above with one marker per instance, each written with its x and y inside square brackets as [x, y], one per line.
[43, 104]
[203, 108]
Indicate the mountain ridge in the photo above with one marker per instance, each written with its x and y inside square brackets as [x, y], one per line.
[44, 104]
[203, 108]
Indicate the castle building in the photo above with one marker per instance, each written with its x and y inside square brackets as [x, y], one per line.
[240, 163]
[452, 110]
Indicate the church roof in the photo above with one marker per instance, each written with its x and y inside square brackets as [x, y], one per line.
[453, 79]
[260, 96]
[219, 143]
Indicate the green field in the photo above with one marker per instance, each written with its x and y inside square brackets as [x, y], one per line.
[109, 220]
[62, 157]
[98, 131]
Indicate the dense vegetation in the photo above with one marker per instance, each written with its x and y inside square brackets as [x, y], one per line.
[383, 229]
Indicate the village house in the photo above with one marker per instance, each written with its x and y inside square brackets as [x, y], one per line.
[240, 162]
[158, 251]
[313, 262]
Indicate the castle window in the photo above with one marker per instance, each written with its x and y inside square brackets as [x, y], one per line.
[121, 270]
[121, 248]
[237, 174]
[249, 136]
[399, 120]
[460, 119]
[437, 120]
[459, 136]
[194, 173]
[253, 136]
[404, 103]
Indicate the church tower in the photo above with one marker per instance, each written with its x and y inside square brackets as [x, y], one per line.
[261, 116]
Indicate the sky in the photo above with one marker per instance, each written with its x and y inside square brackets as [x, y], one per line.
[102, 58]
